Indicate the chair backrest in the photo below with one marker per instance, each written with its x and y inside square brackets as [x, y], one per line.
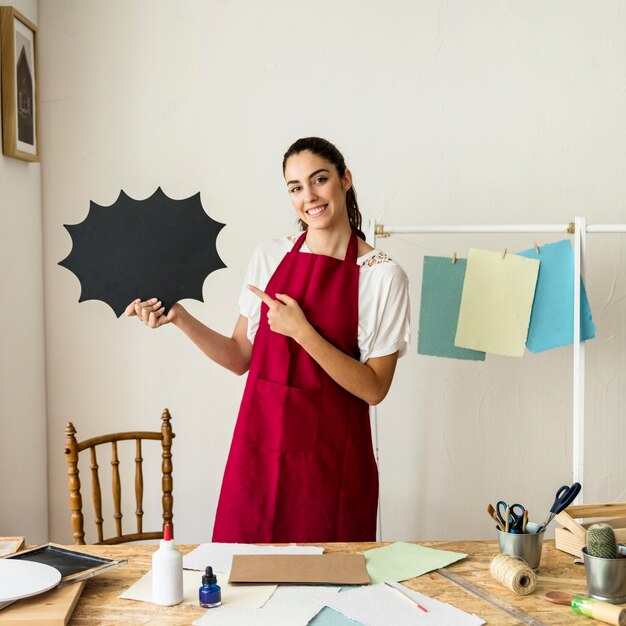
[73, 448]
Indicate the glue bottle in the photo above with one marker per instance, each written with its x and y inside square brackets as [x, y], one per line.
[210, 593]
[167, 572]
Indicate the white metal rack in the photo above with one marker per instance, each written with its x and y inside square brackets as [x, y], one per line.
[579, 228]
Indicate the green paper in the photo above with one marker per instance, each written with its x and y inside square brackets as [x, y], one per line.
[442, 285]
[401, 561]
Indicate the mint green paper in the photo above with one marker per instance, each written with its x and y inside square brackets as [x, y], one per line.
[401, 561]
[442, 286]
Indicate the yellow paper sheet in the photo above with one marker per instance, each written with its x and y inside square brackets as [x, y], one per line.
[496, 302]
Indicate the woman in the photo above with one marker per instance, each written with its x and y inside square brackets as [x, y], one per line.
[323, 321]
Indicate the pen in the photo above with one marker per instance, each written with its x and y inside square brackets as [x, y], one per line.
[402, 590]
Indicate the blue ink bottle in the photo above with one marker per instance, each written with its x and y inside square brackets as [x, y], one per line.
[210, 592]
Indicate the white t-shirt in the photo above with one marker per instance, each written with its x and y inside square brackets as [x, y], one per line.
[384, 313]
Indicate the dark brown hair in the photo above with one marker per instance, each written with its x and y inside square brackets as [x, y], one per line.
[328, 151]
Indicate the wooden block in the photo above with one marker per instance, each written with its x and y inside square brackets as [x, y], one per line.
[573, 526]
[572, 538]
[566, 541]
[610, 509]
[9, 545]
[53, 608]
[618, 522]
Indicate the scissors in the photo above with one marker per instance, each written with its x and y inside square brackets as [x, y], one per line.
[515, 520]
[564, 497]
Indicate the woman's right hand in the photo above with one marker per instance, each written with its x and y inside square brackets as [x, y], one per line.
[151, 312]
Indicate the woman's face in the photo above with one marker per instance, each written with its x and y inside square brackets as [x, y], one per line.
[317, 192]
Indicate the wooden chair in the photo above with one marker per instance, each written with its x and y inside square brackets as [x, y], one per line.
[72, 450]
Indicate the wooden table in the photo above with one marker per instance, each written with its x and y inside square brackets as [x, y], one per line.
[99, 603]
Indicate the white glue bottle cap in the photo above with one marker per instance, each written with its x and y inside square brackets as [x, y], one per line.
[167, 572]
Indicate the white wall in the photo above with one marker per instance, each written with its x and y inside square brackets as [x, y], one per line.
[23, 437]
[447, 112]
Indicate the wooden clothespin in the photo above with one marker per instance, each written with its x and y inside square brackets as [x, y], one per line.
[536, 247]
[454, 258]
[504, 253]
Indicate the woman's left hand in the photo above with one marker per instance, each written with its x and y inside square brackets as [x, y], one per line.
[285, 316]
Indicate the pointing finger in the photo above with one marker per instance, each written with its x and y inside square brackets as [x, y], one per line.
[284, 298]
[261, 294]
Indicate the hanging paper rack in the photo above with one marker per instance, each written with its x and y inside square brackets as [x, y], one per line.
[579, 228]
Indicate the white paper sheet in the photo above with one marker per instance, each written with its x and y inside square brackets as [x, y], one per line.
[220, 555]
[241, 596]
[380, 605]
[289, 606]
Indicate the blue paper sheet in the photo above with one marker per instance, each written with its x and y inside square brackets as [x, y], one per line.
[552, 316]
[330, 617]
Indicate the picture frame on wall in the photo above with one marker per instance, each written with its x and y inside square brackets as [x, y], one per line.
[20, 110]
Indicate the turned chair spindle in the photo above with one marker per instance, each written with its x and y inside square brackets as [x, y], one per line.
[72, 450]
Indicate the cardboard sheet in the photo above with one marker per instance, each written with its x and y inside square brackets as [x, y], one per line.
[442, 286]
[496, 302]
[552, 317]
[329, 569]
[401, 561]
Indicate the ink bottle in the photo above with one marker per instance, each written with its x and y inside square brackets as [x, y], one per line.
[210, 592]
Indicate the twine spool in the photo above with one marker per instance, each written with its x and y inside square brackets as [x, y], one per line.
[514, 573]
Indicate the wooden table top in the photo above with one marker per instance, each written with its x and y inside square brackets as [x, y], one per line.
[99, 603]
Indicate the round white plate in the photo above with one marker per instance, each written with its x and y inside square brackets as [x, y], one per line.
[20, 579]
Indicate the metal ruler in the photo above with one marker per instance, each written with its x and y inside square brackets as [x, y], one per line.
[464, 584]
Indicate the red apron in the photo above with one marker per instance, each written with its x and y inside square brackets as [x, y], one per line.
[301, 466]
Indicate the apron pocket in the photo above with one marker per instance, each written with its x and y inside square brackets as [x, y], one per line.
[284, 419]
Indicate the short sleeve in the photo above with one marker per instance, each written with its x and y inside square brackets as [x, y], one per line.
[384, 310]
[263, 263]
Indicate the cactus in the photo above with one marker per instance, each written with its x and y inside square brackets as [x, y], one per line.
[601, 541]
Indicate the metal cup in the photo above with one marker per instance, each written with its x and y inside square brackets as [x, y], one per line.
[606, 578]
[525, 545]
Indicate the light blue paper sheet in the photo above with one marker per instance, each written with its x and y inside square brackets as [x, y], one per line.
[330, 617]
[552, 316]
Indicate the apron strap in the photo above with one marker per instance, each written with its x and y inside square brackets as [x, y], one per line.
[299, 242]
[353, 247]
[351, 252]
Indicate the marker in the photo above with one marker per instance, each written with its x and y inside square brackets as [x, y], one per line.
[404, 592]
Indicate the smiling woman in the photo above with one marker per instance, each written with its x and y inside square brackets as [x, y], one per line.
[323, 320]
[319, 150]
